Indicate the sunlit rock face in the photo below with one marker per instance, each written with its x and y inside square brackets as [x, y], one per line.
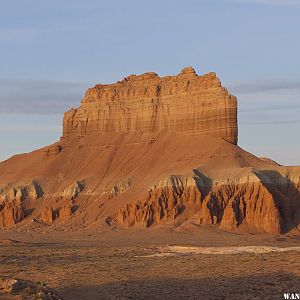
[186, 103]
[150, 151]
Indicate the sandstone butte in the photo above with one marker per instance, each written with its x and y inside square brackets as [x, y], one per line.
[149, 151]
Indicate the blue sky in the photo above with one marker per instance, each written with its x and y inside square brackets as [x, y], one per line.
[51, 51]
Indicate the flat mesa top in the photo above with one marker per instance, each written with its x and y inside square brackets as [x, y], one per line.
[187, 80]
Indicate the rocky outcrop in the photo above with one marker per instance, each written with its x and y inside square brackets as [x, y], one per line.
[249, 203]
[65, 212]
[165, 201]
[31, 191]
[121, 187]
[12, 288]
[72, 191]
[47, 214]
[12, 199]
[53, 150]
[187, 104]
[11, 213]
[246, 208]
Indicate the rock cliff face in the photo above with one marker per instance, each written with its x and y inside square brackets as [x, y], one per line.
[243, 204]
[187, 104]
[12, 201]
[115, 164]
[11, 213]
[30, 191]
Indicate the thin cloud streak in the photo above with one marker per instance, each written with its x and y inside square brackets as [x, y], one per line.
[36, 31]
[270, 122]
[39, 96]
[265, 86]
[55, 97]
[274, 108]
[38, 83]
[32, 128]
[272, 2]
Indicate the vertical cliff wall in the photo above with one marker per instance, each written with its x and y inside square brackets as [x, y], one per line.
[186, 103]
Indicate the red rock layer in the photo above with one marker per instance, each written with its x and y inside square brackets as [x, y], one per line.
[252, 204]
[11, 213]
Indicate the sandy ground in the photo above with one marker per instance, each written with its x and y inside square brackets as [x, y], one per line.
[204, 263]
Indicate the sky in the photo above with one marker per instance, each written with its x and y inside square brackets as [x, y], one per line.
[53, 50]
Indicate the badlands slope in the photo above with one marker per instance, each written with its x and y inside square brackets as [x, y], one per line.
[150, 151]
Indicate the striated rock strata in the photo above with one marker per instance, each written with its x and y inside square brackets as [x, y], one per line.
[149, 151]
[186, 103]
[243, 200]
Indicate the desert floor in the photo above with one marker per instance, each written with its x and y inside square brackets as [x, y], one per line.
[138, 264]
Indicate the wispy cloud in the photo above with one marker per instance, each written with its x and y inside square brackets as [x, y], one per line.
[276, 98]
[39, 97]
[270, 108]
[275, 95]
[268, 102]
[30, 128]
[265, 86]
[271, 122]
[272, 2]
[39, 30]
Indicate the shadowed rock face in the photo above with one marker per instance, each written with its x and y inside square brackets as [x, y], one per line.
[116, 160]
[187, 104]
[12, 202]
